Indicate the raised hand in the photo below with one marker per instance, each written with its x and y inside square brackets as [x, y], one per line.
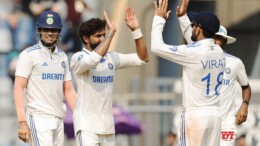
[111, 26]
[161, 9]
[182, 10]
[24, 132]
[131, 19]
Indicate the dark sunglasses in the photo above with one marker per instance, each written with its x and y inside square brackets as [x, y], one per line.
[194, 24]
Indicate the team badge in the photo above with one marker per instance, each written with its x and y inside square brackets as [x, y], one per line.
[49, 19]
[173, 49]
[227, 70]
[110, 66]
[63, 64]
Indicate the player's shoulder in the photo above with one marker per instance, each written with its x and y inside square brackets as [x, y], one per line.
[112, 53]
[193, 45]
[32, 49]
[232, 57]
[78, 55]
[60, 51]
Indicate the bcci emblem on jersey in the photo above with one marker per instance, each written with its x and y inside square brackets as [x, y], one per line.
[227, 70]
[173, 49]
[110, 66]
[63, 64]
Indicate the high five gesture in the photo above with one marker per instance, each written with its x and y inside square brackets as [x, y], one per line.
[161, 9]
[182, 10]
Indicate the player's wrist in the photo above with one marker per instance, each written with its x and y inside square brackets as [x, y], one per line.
[245, 102]
[22, 121]
[137, 34]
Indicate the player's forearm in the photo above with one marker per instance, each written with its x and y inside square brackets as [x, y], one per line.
[246, 94]
[141, 49]
[70, 94]
[71, 100]
[103, 47]
[156, 34]
[186, 28]
[19, 104]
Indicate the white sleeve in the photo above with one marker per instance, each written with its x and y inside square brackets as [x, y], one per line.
[186, 28]
[83, 61]
[241, 75]
[177, 54]
[24, 65]
[126, 60]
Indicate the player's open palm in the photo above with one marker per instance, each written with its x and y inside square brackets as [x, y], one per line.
[111, 26]
[182, 10]
[131, 19]
[24, 132]
[161, 9]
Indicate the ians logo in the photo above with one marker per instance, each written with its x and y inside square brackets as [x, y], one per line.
[227, 70]
[110, 66]
[80, 57]
[63, 64]
[227, 135]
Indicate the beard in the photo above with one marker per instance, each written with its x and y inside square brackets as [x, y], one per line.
[194, 37]
[94, 45]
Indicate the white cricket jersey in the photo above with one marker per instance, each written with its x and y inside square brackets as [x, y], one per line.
[95, 77]
[203, 65]
[234, 71]
[46, 72]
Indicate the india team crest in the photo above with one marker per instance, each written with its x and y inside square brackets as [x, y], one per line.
[110, 66]
[227, 70]
[63, 64]
[173, 49]
[49, 19]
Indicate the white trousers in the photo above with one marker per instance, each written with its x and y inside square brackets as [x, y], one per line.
[46, 131]
[84, 138]
[228, 130]
[200, 127]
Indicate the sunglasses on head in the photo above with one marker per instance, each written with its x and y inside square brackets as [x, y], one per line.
[195, 24]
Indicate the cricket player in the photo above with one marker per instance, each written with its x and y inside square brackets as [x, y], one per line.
[234, 72]
[94, 70]
[43, 74]
[203, 64]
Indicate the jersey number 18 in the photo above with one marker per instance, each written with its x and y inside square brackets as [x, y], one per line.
[207, 79]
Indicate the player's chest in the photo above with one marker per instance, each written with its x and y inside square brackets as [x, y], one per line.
[105, 66]
[49, 64]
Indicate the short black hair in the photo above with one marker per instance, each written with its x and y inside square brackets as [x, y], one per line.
[90, 27]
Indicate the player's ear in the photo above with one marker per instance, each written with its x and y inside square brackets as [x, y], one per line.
[86, 39]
